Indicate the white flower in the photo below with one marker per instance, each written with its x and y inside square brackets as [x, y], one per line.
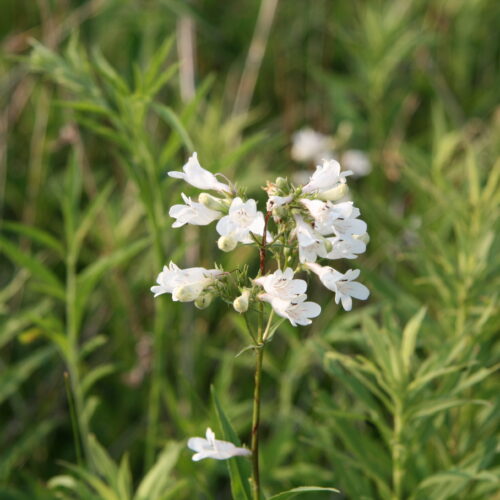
[342, 284]
[185, 285]
[340, 218]
[309, 145]
[197, 176]
[214, 448]
[282, 285]
[327, 176]
[297, 311]
[192, 213]
[311, 243]
[243, 219]
[348, 248]
[357, 161]
[323, 213]
[347, 223]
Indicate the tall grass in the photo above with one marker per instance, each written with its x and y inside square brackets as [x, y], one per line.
[397, 399]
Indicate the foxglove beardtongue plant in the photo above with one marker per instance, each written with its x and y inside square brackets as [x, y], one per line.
[307, 226]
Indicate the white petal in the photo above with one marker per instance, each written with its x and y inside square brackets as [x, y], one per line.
[358, 291]
[346, 302]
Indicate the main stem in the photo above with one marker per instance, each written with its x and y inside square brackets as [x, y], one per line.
[259, 356]
[72, 357]
[256, 408]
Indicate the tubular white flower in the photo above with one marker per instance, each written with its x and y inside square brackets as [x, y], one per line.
[185, 285]
[243, 219]
[348, 248]
[327, 176]
[311, 243]
[194, 174]
[343, 285]
[281, 284]
[214, 448]
[340, 218]
[297, 311]
[309, 145]
[192, 213]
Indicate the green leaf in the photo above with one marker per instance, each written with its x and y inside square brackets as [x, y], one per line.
[158, 478]
[104, 491]
[124, 479]
[102, 461]
[33, 265]
[172, 119]
[35, 234]
[239, 467]
[428, 408]
[31, 439]
[89, 217]
[410, 338]
[285, 495]
[14, 376]
[95, 375]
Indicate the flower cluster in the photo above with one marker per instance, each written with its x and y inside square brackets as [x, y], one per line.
[301, 226]
[309, 224]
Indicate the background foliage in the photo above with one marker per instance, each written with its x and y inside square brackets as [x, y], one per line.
[397, 399]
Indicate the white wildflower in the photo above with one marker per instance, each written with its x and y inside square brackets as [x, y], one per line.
[214, 448]
[282, 285]
[327, 176]
[311, 243]
[343, 285]
[309, 145]
[348, 248]
[185, 285]
[243, 219]
[192, 213]
[357, 161]
[194, 174]
[297, 310]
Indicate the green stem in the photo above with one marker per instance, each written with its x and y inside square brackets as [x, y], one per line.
[398, 453]
[158, 356]
[259, 353]
[72, 356]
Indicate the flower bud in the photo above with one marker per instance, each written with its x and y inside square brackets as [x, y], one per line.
[211, 202]
[203, 301]
[240, 303]
[335, 193]
[281, 182]
[227, 243]
[365, 238]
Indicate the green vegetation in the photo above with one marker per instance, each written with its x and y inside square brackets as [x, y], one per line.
[100, 386]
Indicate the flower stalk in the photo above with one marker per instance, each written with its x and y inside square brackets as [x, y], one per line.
[259, 356]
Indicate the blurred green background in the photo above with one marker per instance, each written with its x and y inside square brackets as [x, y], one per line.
[397, 399]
